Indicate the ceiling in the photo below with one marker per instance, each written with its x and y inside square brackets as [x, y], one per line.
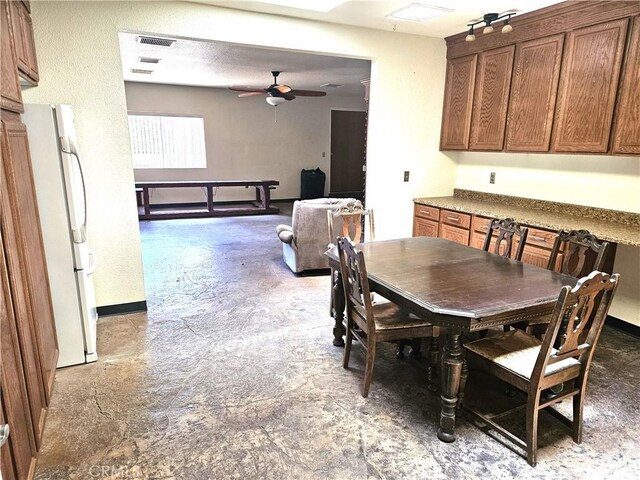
[372, 13]
[220, 64]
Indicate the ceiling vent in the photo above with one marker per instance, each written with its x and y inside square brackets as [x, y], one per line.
[142, 71]
[160, 42]
[332, 85]
[148, 60]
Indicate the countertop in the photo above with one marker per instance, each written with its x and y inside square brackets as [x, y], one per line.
[610, 225]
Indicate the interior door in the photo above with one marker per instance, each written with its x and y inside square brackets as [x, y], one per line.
[348, 153]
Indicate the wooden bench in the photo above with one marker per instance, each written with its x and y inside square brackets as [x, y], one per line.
[259, 207]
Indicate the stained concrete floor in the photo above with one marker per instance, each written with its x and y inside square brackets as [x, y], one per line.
[232, 374]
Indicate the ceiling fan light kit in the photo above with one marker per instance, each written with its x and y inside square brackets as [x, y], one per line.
[488, 19]
[276, 93]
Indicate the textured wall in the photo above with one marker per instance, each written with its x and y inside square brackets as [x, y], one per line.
[593, 180]
[245, 138]
[78, 54]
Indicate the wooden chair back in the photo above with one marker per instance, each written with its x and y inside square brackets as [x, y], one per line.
[356, 285]
[350, 224]
[583, 309]
[506, 230]
[582, 253]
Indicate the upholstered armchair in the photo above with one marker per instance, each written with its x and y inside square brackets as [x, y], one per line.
[306, 240]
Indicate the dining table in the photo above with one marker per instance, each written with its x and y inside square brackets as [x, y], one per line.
[460, 288]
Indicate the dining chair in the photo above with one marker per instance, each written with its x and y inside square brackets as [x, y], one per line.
[371, 323]
[346, 221]
[582, 253]
[505, 231]
[535, 366]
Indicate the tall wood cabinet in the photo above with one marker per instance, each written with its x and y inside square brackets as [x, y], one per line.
[566, 90]
[626, 137]
[28, 344]
[491, 98]
[458, 97]
[588, 87]
[536, 72]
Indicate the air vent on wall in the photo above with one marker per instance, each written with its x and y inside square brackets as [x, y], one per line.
[148, 60]
[160, 42]
[142, 71]
[332, 85]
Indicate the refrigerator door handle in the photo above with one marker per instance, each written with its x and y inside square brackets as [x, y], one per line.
[68, 146]
[93, 262]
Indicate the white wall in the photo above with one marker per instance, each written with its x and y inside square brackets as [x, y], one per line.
[592, 180]
[78, 57]
[245, 138]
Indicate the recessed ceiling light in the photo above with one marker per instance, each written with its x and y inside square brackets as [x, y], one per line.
[417, 12]
[141, 71]
[332, 85]
[148, 60]
[314, 5]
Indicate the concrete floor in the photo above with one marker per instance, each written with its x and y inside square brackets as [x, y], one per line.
[232, 374]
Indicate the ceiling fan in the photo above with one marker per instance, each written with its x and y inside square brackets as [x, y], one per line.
[277, 94]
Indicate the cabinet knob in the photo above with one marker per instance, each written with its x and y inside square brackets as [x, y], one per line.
[4, 433]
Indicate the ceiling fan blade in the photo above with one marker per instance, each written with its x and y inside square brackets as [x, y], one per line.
[282, 88]
[288, 96]
[250, 94]
[307, 93]
[248, 89]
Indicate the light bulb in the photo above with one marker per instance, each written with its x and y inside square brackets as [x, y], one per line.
[487, 29]
[275, 101]
[470, 38]
[507, 28]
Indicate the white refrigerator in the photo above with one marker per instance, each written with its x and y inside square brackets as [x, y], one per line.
[61, 193]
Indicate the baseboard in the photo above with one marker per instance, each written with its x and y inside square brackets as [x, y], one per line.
[622, 325]
[122, 308]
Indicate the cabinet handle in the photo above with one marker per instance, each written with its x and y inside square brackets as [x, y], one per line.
[425, 212]
[4, 433]
[453, 219]
[537, 238]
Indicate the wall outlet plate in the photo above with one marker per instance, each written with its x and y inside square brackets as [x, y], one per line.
[406, 176]
[492, 177]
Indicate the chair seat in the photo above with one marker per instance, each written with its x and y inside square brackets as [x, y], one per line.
[389, 316]
[517, 352]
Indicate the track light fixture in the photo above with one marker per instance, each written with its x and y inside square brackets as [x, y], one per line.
[488, 19]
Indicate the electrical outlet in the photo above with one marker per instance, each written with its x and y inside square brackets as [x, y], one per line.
[406, 176]
[492, 177]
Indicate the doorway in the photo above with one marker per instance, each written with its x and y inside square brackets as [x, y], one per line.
[348, 153]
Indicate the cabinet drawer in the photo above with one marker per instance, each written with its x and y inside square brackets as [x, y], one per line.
[424, 228]
[480, 224]
[455, 234]
[462, 220]
[430, 213]
[541, 238]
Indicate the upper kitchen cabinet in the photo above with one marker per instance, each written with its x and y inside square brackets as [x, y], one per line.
[588, 87]
[23, 39]
[458, 99]
[10, 96]
[626, 137]
[534, 88]
[491, 99]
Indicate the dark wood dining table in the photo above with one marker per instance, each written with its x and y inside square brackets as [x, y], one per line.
[454, 286]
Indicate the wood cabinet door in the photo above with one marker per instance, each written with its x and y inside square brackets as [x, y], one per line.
[626, 137]
[30, 45]
[13, 393]
[24, 210]
[455, 234]
[588, 87]
[458, 100]
[18, 279]
[424, 228]
[536, 71]
[10, 95]
[491, 99]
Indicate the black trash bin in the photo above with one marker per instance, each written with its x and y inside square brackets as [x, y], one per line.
[312, 184]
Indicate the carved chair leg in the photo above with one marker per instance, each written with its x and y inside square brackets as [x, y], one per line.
[401, 346]
[532, 428]
[416, 348]
[578, 403]
[347, 346]
[338, 310]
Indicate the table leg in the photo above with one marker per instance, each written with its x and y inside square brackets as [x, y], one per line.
[452, 361]
[337, 291]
